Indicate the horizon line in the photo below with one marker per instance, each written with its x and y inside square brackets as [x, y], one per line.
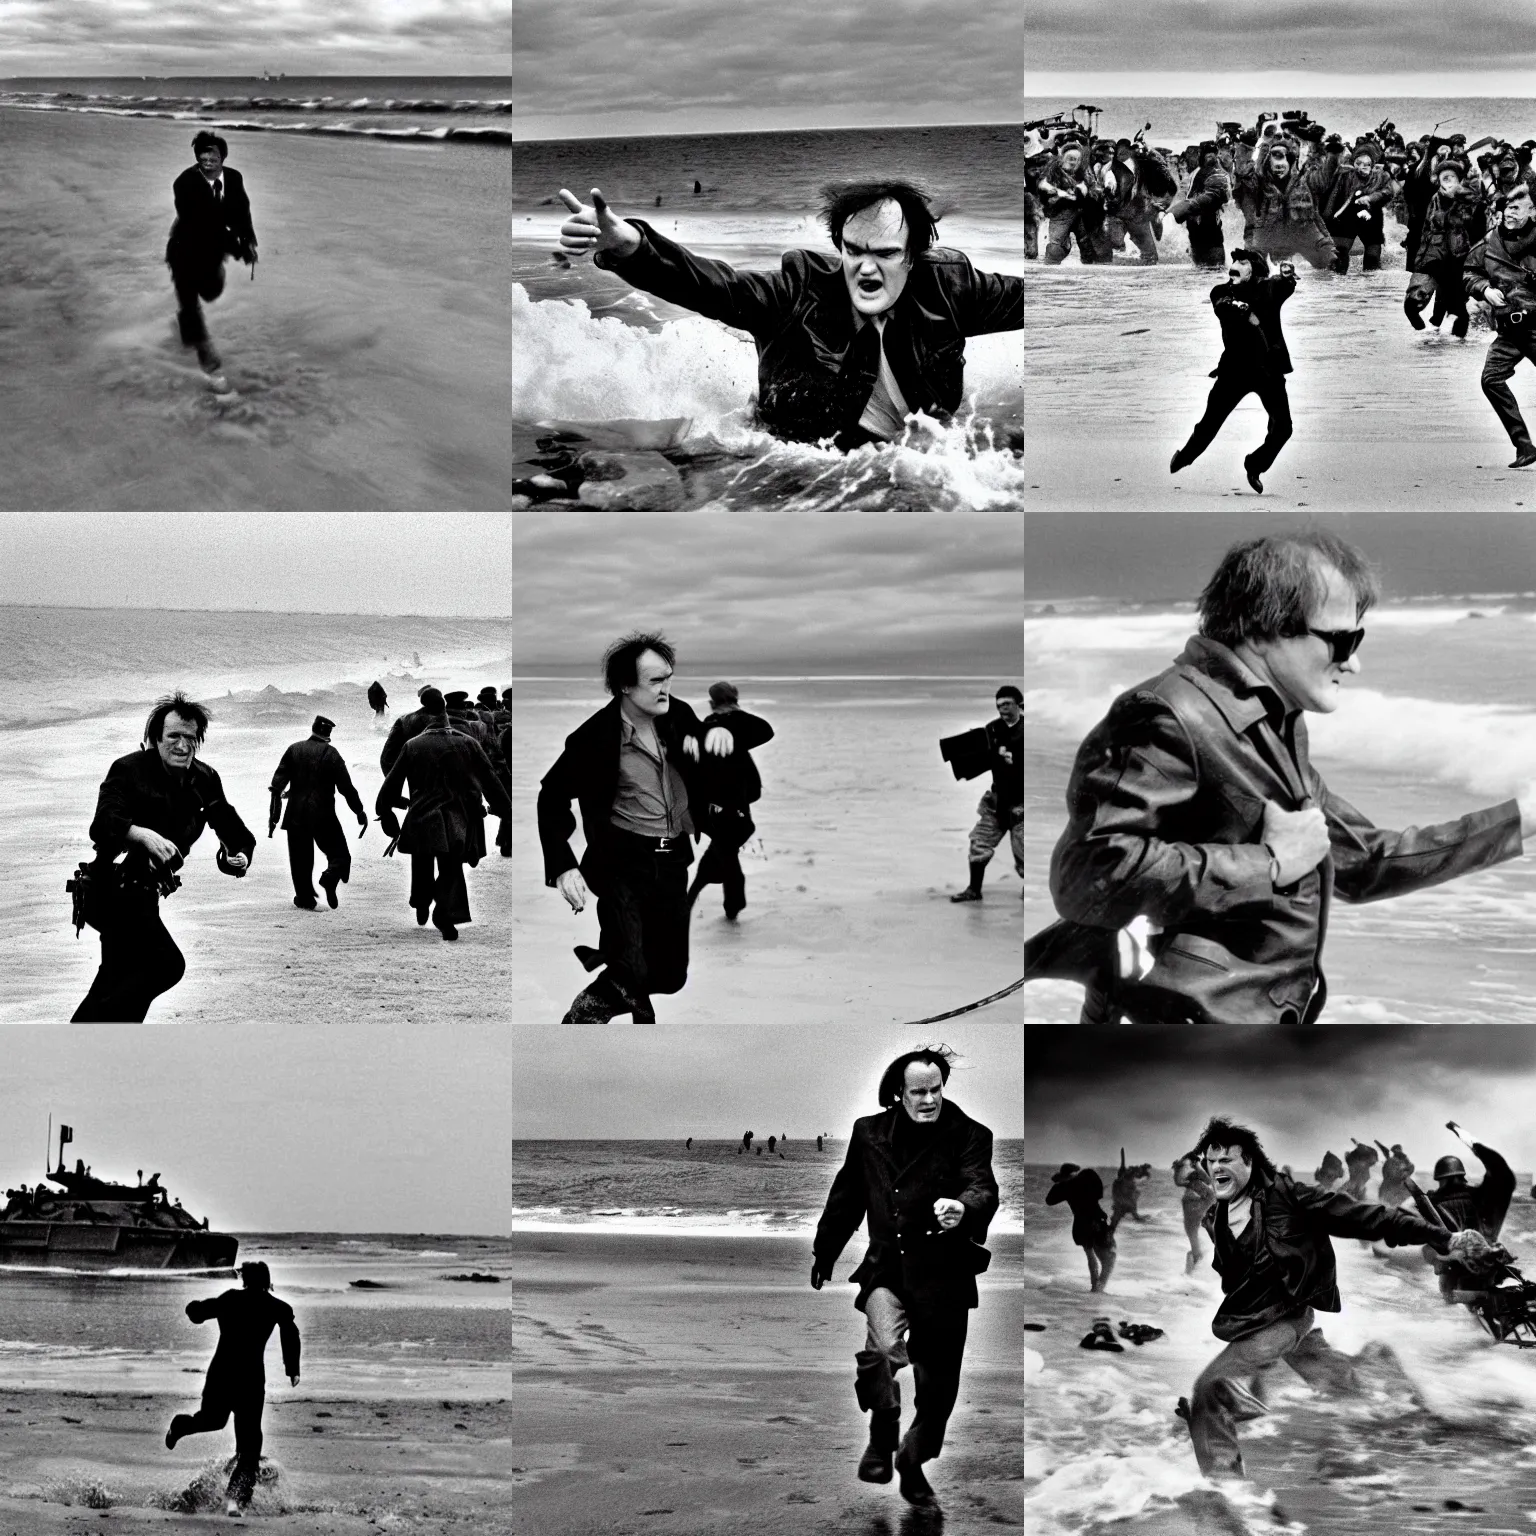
[714, 133]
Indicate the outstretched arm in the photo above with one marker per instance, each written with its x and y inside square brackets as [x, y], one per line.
[594, 227]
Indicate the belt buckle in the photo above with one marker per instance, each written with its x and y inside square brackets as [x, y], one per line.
[663, 845]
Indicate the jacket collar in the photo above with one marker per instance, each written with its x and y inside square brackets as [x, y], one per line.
[950, 1118]
[1230, 684]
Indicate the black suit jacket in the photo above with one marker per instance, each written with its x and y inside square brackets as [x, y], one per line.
[246, 1320]
[1249, 348]
[206, 230]
[447, 773]
[313, 772]
[931, 1270]
[813, 381]
[139, 790]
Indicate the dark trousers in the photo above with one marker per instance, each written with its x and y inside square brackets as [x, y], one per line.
[331, 841]
[1503, 358]
[728, 832]
[195, 279]
[1226, 393]
[139, 961]
[245, 1404]
[933, 1344]
[1444, 283]
[642, 917]
[438, 887]
[1207, 251]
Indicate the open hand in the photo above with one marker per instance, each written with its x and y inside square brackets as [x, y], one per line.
[719, 742]
[595, 228]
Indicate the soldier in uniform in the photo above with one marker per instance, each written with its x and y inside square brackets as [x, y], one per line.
[312, 772]
[152, 807]
[237, 1377]
[447, 774]
[1000, 811]
[405, 727]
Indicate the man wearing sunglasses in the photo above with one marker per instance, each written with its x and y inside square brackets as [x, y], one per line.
[1203, 849]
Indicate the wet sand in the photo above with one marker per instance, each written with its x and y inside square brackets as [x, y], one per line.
[1386, 418]
[74, 1461]
[369, 357]
[696, 1384]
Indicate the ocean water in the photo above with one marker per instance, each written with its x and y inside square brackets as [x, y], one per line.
[402, 108]
[1448, 1414]
[415, 1331]
[599, 356]
[711, 1189]
[1439, 722]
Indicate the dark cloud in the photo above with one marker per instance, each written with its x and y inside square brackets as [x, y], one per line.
[1219, 36]
[887, 593]
[810, 62]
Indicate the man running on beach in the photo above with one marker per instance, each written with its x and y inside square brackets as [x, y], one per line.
[1272, 1250]
[633, 769]
[730, 786]
[1080, 1190]
[919, 1176]
[313, 772]
[213, 220]
[848, 346]
[151, 809]
[1000, 811]
[237, 1377]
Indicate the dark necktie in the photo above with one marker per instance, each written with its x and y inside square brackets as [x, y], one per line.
[217, 194]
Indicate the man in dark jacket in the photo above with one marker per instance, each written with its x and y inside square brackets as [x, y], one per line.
[1272, 1250]
[1501, 271]
[633, 769]
[729, 787]
[1254, 360]
[1081, 1190]
[920, 1175]
[1199, 211]
[1285, 200]
[1198, 823]
[1000, 811]
[405, 726]
[848, 346]
[1483, 1206]
[213, 221]
[1074, 206]
[446, 773]
[1354, 209]
[1452, 223]
[152, 807]
[313, 772]
[1135, 175]
[237, 1376]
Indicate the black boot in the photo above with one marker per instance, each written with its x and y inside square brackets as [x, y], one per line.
[972, 892]
[884, 1430]
[915, 1488]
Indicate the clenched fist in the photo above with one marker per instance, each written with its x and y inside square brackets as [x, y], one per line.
[1298, 840]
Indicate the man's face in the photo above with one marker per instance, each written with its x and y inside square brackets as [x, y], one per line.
[1518, 210]
[1450, 183]
[875, 260]
[1302, 667]
[1008, 708]
[1364, 165]
[1070, 160]
[210, 160]
[1122, 153]
[651, 693]
[1240, 271]
[1279, 162]
[178, 743]
[922, 1093]
[1229, 1171]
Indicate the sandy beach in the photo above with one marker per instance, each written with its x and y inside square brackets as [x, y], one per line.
[369, 357]
[848, 879]
[680, 1385]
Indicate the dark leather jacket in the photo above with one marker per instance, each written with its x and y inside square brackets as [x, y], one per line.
[1296, 1222]
[813, 381]
[1165, 819]
[1452, 225]
[931, 1270]
[1507, 262]
[1200, 212]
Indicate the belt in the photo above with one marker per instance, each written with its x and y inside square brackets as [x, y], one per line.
[640, 844]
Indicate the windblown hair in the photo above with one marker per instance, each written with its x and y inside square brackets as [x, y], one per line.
[1009, 691]
[894, 1079]
[255, 1276]
[206, 140]
[842, 199]
[1267, 588]
[1227, 1133]
[620, 659]
[176, 703]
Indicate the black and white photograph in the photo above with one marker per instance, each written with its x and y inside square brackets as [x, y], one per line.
[1282, 1288]
[767, 258]
[771, 1279]
[255, 256]
[259, 767]
[266, 1280]
[766, 770]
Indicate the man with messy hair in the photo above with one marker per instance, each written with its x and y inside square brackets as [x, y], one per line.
[848, 345]
[1271, 1239]
[1203, 850]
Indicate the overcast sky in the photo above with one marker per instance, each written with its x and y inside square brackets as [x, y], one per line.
[703, 66]
[237, 37]
[715, 1081]
[310, 1127]
[1151, 1091]
[1281, 47]
[453, 564]
[904, 593]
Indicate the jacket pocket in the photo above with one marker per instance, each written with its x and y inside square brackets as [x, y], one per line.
[1207, 984]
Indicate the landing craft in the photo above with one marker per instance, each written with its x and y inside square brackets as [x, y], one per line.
[96, 1224]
